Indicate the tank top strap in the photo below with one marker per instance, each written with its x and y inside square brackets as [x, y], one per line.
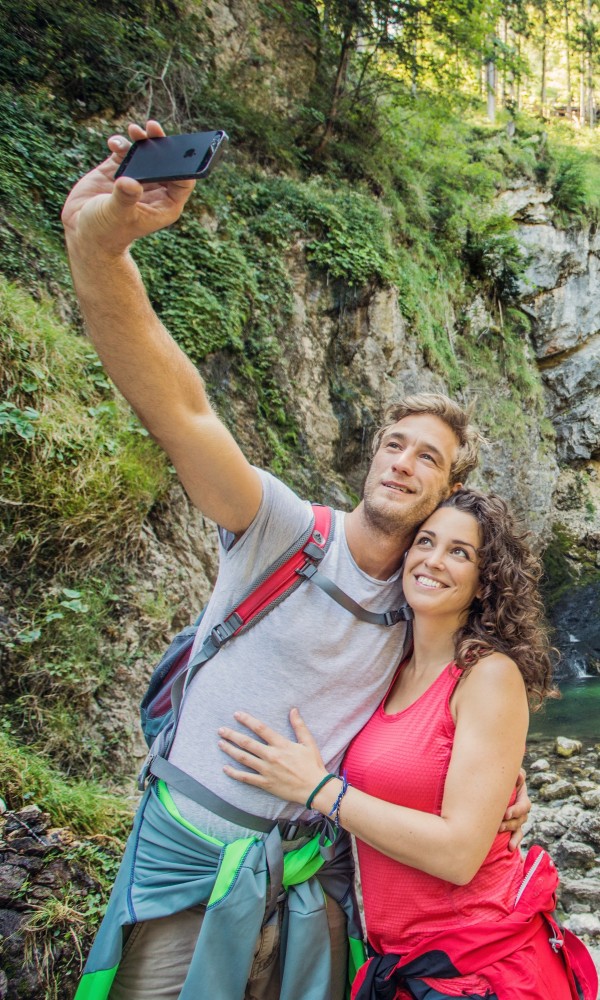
[453, 674]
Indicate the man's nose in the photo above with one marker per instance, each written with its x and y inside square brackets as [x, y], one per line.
[404, 461]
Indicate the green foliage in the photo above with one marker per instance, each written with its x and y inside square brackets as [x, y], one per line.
[16, 421]
[80, 804]
[353, 244]
[227, 288]
[494, 256]
[77, 477]
[569, 186]
[77, 483]
[42, 155]
[96, 56]
[59, 669]
[560, 575]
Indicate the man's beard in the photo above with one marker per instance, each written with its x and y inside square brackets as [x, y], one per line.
[389, 521]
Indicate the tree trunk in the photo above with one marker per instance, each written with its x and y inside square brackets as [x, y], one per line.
[582, 69]
[504, 69]
[568, 52]
[544, 59]
[590, 67]
[490, 79]
[414, 73]
[518, 96]
[338, 87]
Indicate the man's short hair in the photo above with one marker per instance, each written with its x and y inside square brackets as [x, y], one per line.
[455, 416]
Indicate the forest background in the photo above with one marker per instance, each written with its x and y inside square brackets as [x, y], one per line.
[368, 143]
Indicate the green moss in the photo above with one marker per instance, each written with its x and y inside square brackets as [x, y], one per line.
[78, 481]
[567, 564]
[61, 668]
[84, 806]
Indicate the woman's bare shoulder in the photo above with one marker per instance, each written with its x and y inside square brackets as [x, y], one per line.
[496, 672]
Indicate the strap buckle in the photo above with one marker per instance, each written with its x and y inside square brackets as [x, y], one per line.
[144, 776]
[314, 551]
[224, 630]
[308, 570]
[398, 615]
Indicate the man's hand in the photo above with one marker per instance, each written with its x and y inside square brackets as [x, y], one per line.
[104, 216]
[517, 815]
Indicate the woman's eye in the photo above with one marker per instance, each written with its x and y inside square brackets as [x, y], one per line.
[460, 552]
[423, 540]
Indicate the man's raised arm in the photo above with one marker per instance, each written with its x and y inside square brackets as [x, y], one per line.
[102, 218]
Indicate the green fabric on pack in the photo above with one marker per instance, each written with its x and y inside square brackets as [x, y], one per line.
[300, 865]
[357, 956]
[96, 985]
[231, 862]
[160, 843]
[166, 799]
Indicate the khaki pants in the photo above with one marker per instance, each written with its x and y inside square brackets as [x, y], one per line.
[157, 954]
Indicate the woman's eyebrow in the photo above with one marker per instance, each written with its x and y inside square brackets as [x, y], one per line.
[458, 541]
[453, 541]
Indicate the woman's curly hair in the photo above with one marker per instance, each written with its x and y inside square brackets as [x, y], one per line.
[509, 616]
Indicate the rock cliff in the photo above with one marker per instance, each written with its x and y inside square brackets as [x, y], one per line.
[560, 293]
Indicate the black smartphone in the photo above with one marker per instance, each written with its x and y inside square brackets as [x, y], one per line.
[173, 157]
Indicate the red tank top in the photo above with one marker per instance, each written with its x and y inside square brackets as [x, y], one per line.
[404, 758]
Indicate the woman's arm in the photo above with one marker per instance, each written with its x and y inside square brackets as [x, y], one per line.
[491, 727]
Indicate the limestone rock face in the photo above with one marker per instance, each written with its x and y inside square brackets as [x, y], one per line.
[350, 353]
[270, 62]
[347, 356]
[526, 202]
[561, 294]
[574, 614]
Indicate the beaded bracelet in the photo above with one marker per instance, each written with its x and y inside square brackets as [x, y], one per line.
[316, 790]
[336, 805]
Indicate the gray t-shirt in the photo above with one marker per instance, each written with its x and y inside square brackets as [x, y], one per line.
[308, 652]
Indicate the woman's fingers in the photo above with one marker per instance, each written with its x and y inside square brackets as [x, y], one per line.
[264, 732]
[244, 741]
[301, 730]
[246, 777]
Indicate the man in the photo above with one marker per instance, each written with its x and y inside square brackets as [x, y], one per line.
[308, 651]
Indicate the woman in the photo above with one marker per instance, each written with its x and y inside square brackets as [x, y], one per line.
[450, 911]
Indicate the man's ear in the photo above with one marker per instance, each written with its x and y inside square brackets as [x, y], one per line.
[457, 486]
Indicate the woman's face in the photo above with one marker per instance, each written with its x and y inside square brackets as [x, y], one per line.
[441, 572]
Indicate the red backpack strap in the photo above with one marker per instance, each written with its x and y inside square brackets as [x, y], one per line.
[279, 580]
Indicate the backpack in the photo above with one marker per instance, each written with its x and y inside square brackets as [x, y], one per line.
[283, 576]
[159, 709]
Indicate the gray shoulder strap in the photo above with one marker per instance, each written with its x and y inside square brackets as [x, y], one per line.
[312, 573]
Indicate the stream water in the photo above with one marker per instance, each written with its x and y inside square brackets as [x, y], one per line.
[575, 715]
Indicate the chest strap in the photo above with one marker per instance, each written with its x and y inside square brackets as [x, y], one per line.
[312, 572]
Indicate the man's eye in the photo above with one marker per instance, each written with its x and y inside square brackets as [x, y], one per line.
[428, 457]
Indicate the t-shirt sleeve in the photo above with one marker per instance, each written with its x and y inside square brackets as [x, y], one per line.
[281, 519]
